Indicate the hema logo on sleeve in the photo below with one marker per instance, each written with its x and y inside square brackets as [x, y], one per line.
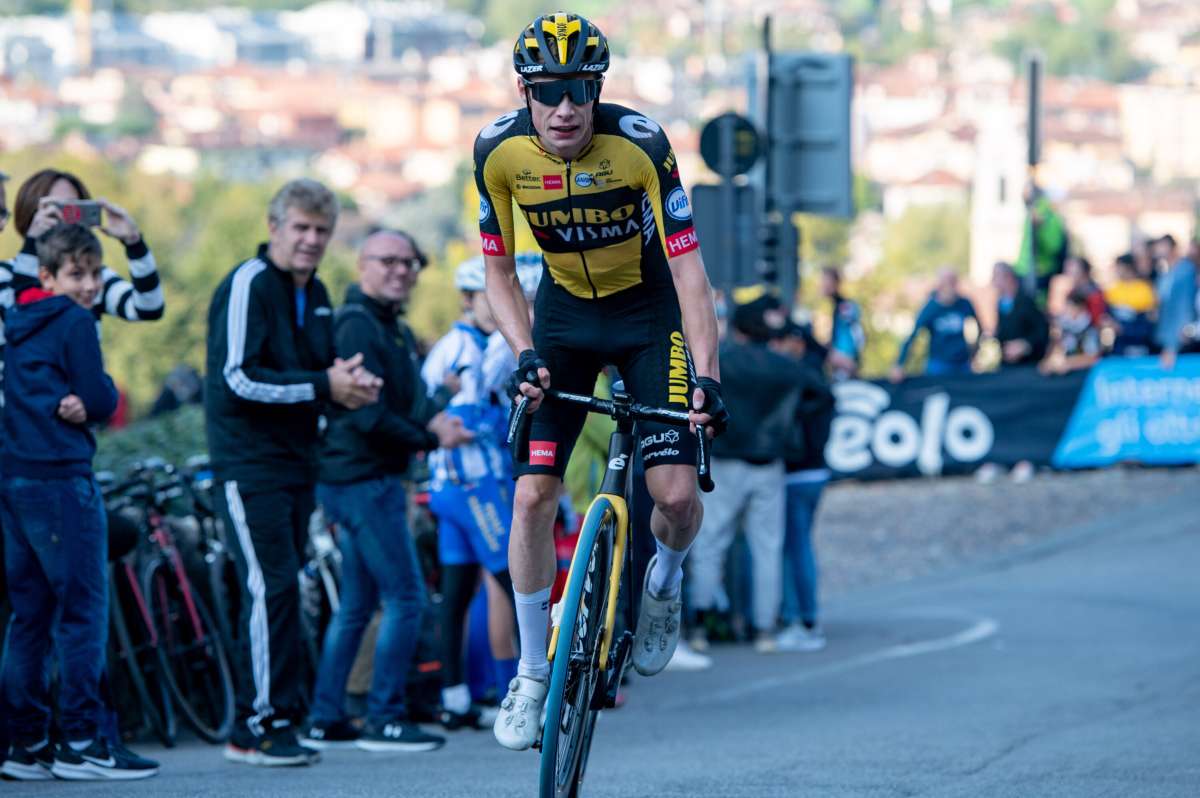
[677, 205]
[863, 432]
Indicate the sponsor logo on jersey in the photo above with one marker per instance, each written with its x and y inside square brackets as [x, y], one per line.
[552, 182]
[485, 209]
[677, 376]
[669, 436]
[660, 453]
[639, 127]
[578, 215]
[580, 225]
[542, 452]
[605, 165]
[618, 462]
[677, 205]
[499, 125]
[492, 245]
[682, 242]
[669, 163]
[584, 180]
[527, 176]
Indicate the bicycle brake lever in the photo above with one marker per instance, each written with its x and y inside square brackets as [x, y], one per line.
[704, 464]
[518, 430]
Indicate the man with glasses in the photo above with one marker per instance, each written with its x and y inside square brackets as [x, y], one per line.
[272, 371]
[600, 188]
[363, 460]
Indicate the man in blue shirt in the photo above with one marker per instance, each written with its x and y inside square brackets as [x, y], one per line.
[944, 316]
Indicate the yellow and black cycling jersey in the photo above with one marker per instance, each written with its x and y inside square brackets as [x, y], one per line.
[607, 220]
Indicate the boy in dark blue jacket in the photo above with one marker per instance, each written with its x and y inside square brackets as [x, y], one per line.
[53, 516]
[945, 316]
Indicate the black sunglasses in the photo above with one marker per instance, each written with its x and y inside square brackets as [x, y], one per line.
[551, 92]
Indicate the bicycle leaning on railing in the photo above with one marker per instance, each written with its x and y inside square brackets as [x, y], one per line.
[586, 665]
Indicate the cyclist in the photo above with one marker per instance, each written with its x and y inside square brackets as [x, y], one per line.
[599, 186]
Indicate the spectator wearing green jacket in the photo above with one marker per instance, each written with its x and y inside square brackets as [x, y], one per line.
[1045, 228]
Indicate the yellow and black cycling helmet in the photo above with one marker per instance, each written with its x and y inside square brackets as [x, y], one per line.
[560, 44]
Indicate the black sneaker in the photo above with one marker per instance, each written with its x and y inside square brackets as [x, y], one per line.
[23, 764]
[322, 736]
[93, 763]
[277, 747]
[398, 735]
[453, 721]
[129, 760]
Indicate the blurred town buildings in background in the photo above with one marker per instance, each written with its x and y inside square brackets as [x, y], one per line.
[383, 99]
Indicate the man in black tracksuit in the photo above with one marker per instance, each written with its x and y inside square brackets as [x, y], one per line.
[271, 368]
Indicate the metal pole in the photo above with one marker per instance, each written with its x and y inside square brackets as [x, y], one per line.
[1034, 135]
[729, 253]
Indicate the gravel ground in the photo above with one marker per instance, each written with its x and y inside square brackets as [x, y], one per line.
[870, 533]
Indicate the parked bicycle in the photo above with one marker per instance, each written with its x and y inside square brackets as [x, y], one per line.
[179, 628]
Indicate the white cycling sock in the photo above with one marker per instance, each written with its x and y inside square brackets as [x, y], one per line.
[533, 616]
[667, 573]
[456, 699]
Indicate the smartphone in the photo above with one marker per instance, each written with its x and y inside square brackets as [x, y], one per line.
[85, 212]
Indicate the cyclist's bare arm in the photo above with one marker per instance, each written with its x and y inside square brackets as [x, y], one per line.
[508, 301]
[699, 316]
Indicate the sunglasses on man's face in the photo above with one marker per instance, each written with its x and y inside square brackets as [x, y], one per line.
[551, 92]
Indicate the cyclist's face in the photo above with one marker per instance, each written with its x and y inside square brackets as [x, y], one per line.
[564, 129]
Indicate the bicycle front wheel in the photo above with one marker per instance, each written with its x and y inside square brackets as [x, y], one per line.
[576, 685]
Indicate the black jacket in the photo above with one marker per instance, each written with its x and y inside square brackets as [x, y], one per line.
[762, 390]
[1023, 321]
[266, 382]
[814, 417]
[378, 439]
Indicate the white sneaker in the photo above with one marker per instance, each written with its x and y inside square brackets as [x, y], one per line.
[797, 637]
[657, 627]
[685, 659]
[519, 721]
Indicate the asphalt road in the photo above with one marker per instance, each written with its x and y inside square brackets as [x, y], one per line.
[1068, 669]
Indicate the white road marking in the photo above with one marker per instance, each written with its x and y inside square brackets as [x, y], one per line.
[981, 629]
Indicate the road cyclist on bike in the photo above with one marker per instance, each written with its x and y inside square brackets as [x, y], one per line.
[624, 285]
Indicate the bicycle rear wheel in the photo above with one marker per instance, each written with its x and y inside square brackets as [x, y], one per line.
[133, 654]
[576, 683]
[193, 657]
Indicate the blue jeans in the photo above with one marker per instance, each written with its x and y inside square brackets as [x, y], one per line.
[55, 549]
[799, 561]
[379, 564]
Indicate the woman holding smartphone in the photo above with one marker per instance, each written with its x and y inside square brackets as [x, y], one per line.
[51, 196]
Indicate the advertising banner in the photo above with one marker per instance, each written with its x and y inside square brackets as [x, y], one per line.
[1122, 410]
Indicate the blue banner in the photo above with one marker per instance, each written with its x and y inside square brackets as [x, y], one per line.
[1131, 409]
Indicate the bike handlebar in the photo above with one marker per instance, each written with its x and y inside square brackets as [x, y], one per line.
[617, 409]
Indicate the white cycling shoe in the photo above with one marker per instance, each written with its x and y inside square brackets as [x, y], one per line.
[520, 720]
[657, 627]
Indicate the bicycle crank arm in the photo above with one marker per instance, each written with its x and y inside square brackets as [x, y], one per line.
[616, 670]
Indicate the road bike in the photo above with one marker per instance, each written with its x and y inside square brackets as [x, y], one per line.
[587, 665]
[192, 660]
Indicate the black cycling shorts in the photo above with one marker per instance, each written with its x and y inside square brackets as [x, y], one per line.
[638, 330]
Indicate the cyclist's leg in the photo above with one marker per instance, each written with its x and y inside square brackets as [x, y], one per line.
[657, 372]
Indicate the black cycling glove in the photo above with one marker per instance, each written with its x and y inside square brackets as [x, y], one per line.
[528, 363]
[714, 405]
